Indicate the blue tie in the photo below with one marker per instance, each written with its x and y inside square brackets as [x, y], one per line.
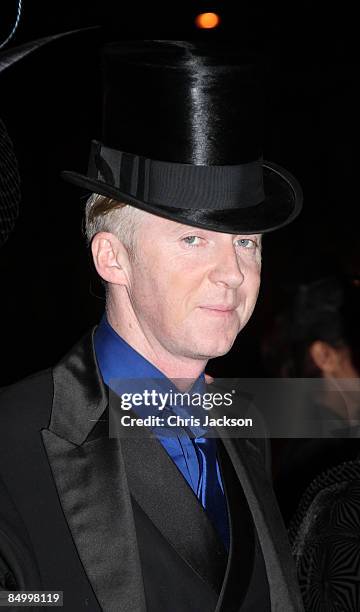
[209, 491]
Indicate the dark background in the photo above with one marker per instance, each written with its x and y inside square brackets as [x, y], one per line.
[51, 106]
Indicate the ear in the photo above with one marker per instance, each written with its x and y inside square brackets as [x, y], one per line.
[110, 258]
[325, 357]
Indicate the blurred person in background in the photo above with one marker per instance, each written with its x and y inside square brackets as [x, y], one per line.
[316, 336]
[317, 481]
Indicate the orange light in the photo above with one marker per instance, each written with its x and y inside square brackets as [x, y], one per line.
[207, 20]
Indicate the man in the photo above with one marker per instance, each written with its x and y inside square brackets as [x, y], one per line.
[181, 198]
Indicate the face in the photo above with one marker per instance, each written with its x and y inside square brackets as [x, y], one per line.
[192, 290]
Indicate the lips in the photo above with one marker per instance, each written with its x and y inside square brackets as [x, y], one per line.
[219, 307]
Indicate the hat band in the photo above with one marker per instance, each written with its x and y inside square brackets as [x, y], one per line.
[178, 185]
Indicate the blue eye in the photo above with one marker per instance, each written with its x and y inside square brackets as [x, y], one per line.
[246, 243]
[191, 240]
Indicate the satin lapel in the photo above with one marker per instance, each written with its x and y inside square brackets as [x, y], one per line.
[91, 482]
[242, 542]
[160, 489]
[280, 568]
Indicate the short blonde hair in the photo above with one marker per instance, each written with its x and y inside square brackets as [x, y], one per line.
[104, 214]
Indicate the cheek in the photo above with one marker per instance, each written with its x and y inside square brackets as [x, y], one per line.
[152, 295]
[250, 290]
[254, 292]
[256, 286]
[163, 287]
[254, 277]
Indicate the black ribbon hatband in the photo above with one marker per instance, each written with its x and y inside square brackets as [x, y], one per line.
[178, 185]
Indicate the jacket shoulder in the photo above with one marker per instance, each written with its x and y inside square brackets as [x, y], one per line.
[27, 402]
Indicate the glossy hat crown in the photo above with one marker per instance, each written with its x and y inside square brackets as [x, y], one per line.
[182, 138]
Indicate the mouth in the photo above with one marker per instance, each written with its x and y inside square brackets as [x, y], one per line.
[219, 309]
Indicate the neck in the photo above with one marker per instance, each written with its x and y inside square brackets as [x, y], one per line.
[172, 366]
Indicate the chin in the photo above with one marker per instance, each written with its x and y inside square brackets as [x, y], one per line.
[210, 351]
[221, 351]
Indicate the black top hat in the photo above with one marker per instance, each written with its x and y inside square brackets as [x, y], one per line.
[182, 125]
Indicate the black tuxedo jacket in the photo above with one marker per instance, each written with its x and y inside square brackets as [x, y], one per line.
[112, 522]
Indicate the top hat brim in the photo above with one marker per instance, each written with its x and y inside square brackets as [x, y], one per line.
[281, 205]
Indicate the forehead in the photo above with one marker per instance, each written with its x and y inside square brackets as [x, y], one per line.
[170, 228]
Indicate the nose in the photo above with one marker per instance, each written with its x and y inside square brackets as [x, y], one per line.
[227, 269]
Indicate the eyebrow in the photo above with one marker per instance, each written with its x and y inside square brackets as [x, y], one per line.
[181, 228]
[250, 236]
